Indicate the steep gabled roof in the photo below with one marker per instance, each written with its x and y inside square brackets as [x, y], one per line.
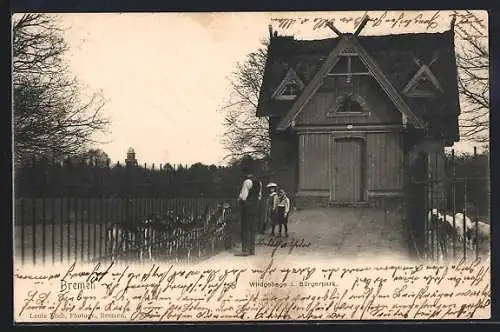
[351, 43]
[394, 57]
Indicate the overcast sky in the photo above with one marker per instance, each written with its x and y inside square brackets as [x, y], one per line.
[165, 75]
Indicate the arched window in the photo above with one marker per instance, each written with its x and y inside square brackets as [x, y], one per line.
[349, 105]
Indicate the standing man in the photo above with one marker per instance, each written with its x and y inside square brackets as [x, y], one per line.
[250, 195]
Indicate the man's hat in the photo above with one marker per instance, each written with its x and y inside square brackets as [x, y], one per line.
[271, 185]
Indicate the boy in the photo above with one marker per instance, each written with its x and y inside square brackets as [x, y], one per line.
[282, 211]
[270, 206]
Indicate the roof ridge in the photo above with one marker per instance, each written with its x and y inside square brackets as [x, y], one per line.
[293, 38]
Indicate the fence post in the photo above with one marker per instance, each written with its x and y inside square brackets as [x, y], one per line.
[464, 215]
[80, 212]
[227, 229]
[61, 195]
[453, 189]
[438, 203]
[53, 209]
[92, 215]
[68, 208]
[429, 193]
[476, 212]
[22, 216]
[105, 215]
[128, 191]
[33, 212]
[42, 198]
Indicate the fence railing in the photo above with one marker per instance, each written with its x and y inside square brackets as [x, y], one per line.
[53, 230]
[449, 214]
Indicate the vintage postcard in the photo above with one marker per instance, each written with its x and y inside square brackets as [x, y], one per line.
[251, 166]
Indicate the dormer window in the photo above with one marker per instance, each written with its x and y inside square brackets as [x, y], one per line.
[289, 88]
[423, 84]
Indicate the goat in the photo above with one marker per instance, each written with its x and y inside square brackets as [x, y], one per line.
[461, 231]
[483, 235]
[461, 225]
[121, 237]
[440, 224]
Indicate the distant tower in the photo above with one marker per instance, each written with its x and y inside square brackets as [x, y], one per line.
[131, 161]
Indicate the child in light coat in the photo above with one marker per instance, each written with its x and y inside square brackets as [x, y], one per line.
[270, 207]
[282, 211]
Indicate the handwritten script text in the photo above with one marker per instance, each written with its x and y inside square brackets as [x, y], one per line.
[107, 292]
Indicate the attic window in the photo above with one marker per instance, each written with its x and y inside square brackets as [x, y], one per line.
[289, 87]
[290, 90]
[423, 87]
[424, 84]
[349, 65]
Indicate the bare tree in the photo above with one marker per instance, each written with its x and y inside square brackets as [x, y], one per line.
[246, 134]
[50, 117]
[473, 79]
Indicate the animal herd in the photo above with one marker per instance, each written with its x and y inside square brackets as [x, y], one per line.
[168, 233]
[462, 228]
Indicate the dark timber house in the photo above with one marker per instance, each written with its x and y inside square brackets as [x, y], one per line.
[352, 117]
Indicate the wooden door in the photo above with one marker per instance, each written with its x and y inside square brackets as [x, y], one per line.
[347, 170]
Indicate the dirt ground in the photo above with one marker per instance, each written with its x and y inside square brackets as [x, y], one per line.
[338, 232]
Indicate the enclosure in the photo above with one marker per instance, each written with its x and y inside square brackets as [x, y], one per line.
[463, 189]
[63, 210]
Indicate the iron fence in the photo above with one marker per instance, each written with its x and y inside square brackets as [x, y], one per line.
[62, 229]
[62, 210]
[448, 208]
